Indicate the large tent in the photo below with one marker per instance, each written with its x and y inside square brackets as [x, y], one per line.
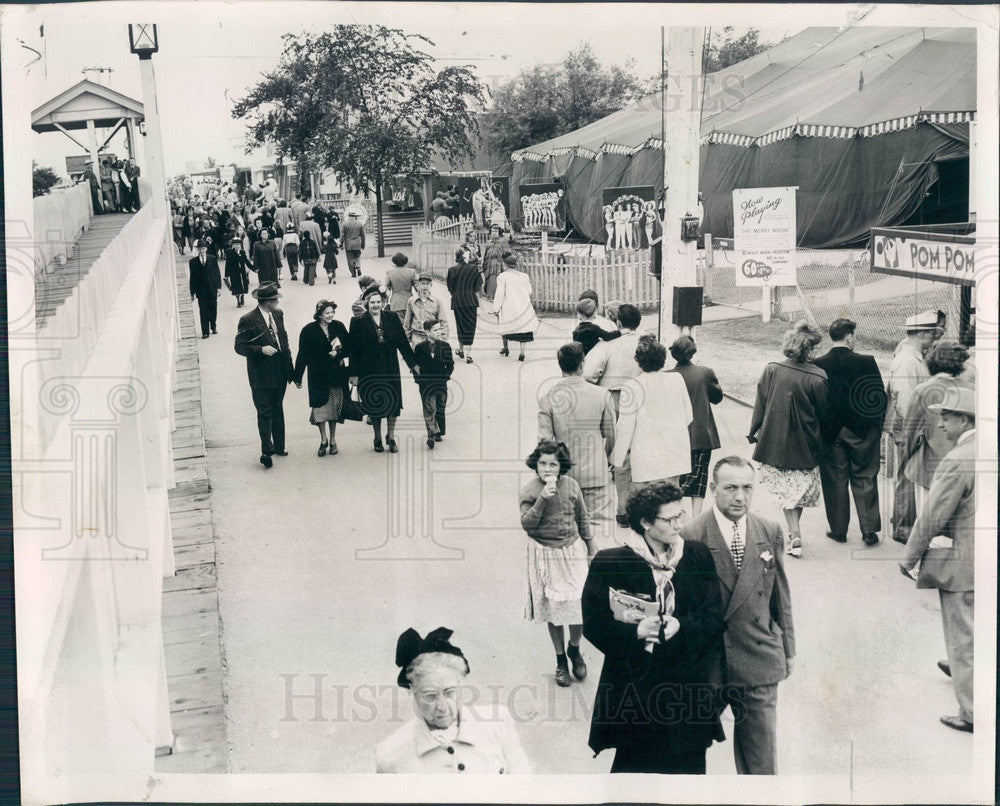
[863, 120]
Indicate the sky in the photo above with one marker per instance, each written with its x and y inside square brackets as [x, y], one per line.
[211, 53]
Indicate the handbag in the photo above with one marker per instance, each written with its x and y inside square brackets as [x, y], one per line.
[351, 410]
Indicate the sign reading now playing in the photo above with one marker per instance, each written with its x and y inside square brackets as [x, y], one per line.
[945, 257]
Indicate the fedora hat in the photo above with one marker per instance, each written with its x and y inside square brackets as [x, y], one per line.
[958, 399]
[400, 259]
[266, 291]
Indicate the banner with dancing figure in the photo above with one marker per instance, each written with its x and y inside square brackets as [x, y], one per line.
[764, 233]
[629, 217]
[543, 207]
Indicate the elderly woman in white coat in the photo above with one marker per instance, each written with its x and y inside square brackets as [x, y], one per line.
[512, 305]
[653, 416]
[443, 736]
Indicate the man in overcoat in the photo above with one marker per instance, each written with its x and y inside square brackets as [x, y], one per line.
[759, 639]
[205, 284]
[851, 435]
[942, 544]
[262, 339]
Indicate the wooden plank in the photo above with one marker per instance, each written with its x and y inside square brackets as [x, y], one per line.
[190, 603]
[193, 554]
[193, 657]
[191, 627]
[191, 517]
[194, 691]
[184, 503]
[192, 577]
[199, 743]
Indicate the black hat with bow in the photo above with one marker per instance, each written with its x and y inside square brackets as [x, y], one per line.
[410, 645]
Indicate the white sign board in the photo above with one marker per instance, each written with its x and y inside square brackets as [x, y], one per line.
[949, 259]
[764, 236]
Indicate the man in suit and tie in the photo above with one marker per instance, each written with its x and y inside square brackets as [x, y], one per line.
[205, 283]
[352, 241]
[262, 339]
[582, 416]
[759, 638]
[942, 543]
[851, 435]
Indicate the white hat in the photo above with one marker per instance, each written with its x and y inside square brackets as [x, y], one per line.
[926, 320]
[960, 399]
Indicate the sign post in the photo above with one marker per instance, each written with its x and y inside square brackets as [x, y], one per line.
[764, 239]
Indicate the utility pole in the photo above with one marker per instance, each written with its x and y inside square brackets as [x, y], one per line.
[682, 129]
[144, 42]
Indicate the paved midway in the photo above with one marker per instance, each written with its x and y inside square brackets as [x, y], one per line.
[323, 562]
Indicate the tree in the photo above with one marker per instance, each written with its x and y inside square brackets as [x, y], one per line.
[546, 101]
[42, 180]
[725, 48]
[365, 102]
[210, 163]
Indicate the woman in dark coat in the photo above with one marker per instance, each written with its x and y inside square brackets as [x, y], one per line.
[464, 284]
[323, 349]
[704, 391]
[791, 404]
[375, 338]
[266, 259]
[188, 229]
[654, 608]
[237, 268]
[330, 251]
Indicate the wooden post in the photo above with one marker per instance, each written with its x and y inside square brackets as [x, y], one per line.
[545, 246]
[765, 304]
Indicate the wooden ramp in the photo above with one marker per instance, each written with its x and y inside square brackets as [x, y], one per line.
[54, 285]
[191, 628]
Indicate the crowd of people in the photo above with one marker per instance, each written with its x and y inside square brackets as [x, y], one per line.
[620, 547]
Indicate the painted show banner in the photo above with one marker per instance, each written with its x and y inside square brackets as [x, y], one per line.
[486, 199]
[915, 253]
[543, 207]
[764, 236]
[629, 216]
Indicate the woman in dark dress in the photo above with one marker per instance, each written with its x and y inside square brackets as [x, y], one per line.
[376, 340]
[322, 351]
[237, 270]
[330, 250]
[654, 608]
[464, 283]
[266, 259]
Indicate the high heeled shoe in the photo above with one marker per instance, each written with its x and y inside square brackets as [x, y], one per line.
[794, 545]
[521, 357]
[459, 353]
[392, 445]
[468, 359]
[322, 449]
[504, 351]
[378, 446]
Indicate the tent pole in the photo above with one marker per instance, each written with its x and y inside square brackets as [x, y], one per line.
[663, 175]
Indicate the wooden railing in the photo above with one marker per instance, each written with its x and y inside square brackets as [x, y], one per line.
[59, 219]
[557, 280]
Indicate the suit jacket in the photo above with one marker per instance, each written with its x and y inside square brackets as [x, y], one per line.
[464, 284]
[352, 236]
[704, 391]
[205, 281]
[582, 416]
[759, 636]
[401, 280]
[951, 511]
[856, 393]
[434, 372]
[791, 404]
[611, 363]
[638, 688]
[252, 335]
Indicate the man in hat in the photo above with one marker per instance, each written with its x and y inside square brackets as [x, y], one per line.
[205, 284]
[307, 224]
[853, 429]
[352, 241]
[421, 308]
[262, 339]
[942, 544]
[401, 280]
[907, 370]
[941, 320]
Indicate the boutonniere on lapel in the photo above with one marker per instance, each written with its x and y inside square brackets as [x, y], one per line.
[768, 559]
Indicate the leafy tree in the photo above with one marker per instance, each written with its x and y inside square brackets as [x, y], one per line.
[210, 163]
[42, 180]
[365, 102]
[546, 101]
[725, 48]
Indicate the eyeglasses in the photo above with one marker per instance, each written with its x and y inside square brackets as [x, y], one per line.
[673, 520]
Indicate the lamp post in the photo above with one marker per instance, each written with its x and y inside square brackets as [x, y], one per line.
[144, 42]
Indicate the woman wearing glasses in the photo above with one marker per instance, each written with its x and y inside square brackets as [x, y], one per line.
[654, 608]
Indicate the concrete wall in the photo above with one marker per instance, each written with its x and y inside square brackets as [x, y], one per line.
[91, 426]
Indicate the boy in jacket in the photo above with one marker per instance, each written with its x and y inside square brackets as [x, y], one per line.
[436, 363]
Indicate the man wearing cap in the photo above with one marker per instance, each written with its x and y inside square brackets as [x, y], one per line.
[352, 241]
[942, 544]
[262, 339]
[401, 280]
[421, 308]
[205, 283]
[851, 434]
[907, 370]
[941, 320]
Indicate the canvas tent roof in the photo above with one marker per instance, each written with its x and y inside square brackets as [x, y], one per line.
[822, 84]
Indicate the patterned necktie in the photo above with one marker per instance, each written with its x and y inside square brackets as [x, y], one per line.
[737, 546]
[270, 325]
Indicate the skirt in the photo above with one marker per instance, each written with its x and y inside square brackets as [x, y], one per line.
[519, 337]
[465, 325]
[695, 483]
[331, 410]
[791, 488]
[556, 577]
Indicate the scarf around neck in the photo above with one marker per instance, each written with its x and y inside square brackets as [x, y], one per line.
[662, 568]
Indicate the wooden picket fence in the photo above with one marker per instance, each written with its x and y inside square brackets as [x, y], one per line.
[557, 280]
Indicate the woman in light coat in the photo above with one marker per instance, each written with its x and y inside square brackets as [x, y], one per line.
[653, 416]
[512, 305]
